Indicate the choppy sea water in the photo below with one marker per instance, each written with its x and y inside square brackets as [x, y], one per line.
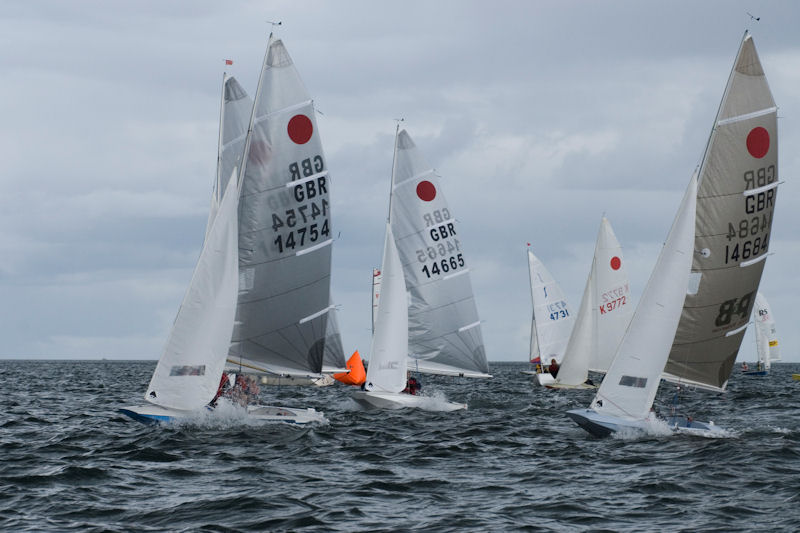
[512, 462]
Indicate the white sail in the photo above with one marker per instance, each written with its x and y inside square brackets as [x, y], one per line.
[612, 297]
[388, 355]
[766, 335]
[444, 333]
[552, 318]
[189, 370]
[737, 189]
[285, 233]
[234, 117]
[604, 313]
[630, 386]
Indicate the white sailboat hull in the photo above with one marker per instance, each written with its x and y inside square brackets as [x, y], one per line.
[603, 425]
[398, 400]
[544, 379]
[155, 414]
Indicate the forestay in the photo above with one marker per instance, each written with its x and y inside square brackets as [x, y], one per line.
[604, 313]
[285, 232]
[444, 332]
[189, 370]
[737, 190]
[630, 386]
[388, 354]
[766, 335]
[552, 321]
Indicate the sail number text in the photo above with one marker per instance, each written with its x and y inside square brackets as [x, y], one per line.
[734, 306]
[558, 310]
[444, 256]
[308, 222]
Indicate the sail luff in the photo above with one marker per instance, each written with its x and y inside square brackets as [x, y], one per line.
[533, 352]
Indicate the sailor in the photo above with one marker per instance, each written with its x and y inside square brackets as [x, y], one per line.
[553, 368]
[413, 386]
[222, 386]
[744, 366]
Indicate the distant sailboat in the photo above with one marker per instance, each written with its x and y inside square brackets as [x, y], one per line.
[766, 338]
[737, 189]
[602, 318]
[551, 323]
[444, 331]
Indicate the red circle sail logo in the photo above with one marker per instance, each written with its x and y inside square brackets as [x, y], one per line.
[426, 191]
[300, 129]
[616, 263]
[758, 142]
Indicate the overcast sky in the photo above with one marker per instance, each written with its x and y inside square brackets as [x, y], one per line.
[540, 116]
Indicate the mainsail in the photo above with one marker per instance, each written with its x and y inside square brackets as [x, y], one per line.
[737, 188]
[552, 319]
[766, 335]
[444, 331]
[234, 117]
[188, 372]
[283, 321]
[604, 313]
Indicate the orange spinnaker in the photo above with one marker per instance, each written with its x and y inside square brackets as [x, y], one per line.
[357, 375]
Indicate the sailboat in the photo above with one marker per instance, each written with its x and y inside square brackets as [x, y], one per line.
[388, 361]
[602, 318]
[766, 338]
[736, 196]
[626, 395]
[444, 331]
[282, 322]
[551, 323]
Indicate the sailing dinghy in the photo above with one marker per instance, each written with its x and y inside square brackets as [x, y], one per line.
[283, 322]
[551, 323]
[603, 316]
[444, 330]
[624, 400]
[766, 338]
[388, 361]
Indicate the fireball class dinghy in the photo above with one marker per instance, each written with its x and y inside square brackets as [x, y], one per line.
[189, 371]
[551, 323]
[444, 331]
[185, 387]
[388, 360]
[602, 318]
[737, 189]
[766, 338]
[284, 317]
[624, 400]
